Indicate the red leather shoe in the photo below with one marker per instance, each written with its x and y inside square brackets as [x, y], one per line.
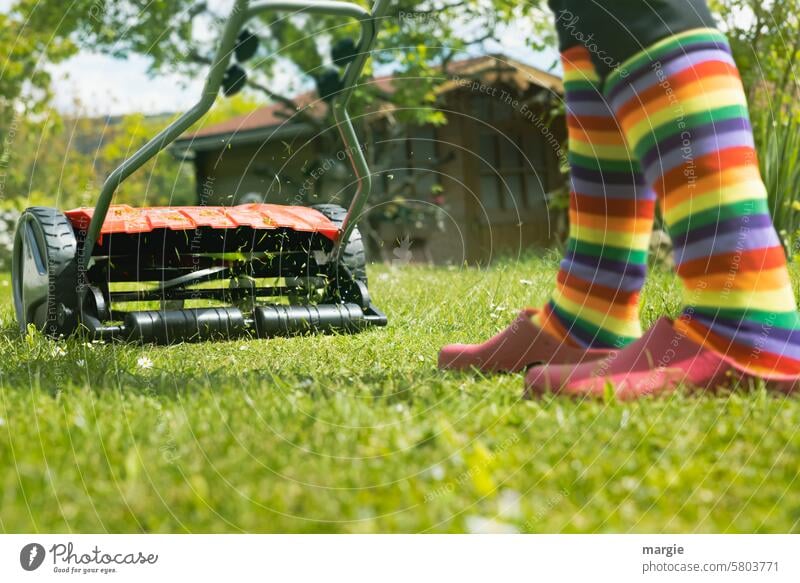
[657, 363]
[516, 348]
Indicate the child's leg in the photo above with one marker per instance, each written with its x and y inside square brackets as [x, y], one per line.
[683, 109]
[595, 302]
[612, 32]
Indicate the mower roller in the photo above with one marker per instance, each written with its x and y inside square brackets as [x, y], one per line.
[172, 274]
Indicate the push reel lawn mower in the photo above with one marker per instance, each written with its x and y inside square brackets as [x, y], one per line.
[168, 274]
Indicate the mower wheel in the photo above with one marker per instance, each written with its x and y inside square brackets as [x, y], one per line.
[353, 255]
[44, 272]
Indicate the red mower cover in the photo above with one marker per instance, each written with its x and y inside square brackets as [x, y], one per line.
[122, 218]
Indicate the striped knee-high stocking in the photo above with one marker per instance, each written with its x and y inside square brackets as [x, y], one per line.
[683, 111]
[595, 302]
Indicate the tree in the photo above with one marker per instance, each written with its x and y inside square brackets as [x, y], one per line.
[64, 160]
[24, 90]
[419, 38]
[765, 38]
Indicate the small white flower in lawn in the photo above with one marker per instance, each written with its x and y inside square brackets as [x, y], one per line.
[706, 496]
[420, 358]
[243, 347]
[399, 407]
[437, 472]
[144, 362]
[508, 504]
[364, 513]
[80, 362]
[498, 308]
[483, 525]
[58, 351]
[526, 282]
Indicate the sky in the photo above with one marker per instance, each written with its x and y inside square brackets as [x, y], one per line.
[108, 86]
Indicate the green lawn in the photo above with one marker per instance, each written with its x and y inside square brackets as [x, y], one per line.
[362, 433]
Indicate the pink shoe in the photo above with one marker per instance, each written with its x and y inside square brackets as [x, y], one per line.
[519, 346]
[657, 363]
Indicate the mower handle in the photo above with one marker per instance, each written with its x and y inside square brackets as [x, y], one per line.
[240, 14]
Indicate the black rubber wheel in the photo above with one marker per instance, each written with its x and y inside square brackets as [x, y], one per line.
[44, 272]
[353, 255]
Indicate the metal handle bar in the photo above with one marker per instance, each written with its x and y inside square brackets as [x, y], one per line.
[240, 14]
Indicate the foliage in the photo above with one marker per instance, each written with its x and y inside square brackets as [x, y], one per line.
[8, 223]
[24, 82]
[118, 28]
[418, 38]
[779, 155]
[63, 161]
[362, 434]
[765, 38]
[24, 89]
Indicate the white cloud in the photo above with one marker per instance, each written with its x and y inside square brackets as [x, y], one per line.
[95, 84]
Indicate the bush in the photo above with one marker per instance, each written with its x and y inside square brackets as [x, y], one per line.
[8, 223]
[778, 143]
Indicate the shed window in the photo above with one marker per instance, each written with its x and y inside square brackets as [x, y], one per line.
[513, 156]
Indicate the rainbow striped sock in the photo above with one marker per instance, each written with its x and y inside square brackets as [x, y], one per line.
[683, 109]
[595, 302]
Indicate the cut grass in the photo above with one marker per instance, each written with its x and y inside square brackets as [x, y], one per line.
[362, 434]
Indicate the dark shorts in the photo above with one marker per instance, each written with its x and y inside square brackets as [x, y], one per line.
[615, 30]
